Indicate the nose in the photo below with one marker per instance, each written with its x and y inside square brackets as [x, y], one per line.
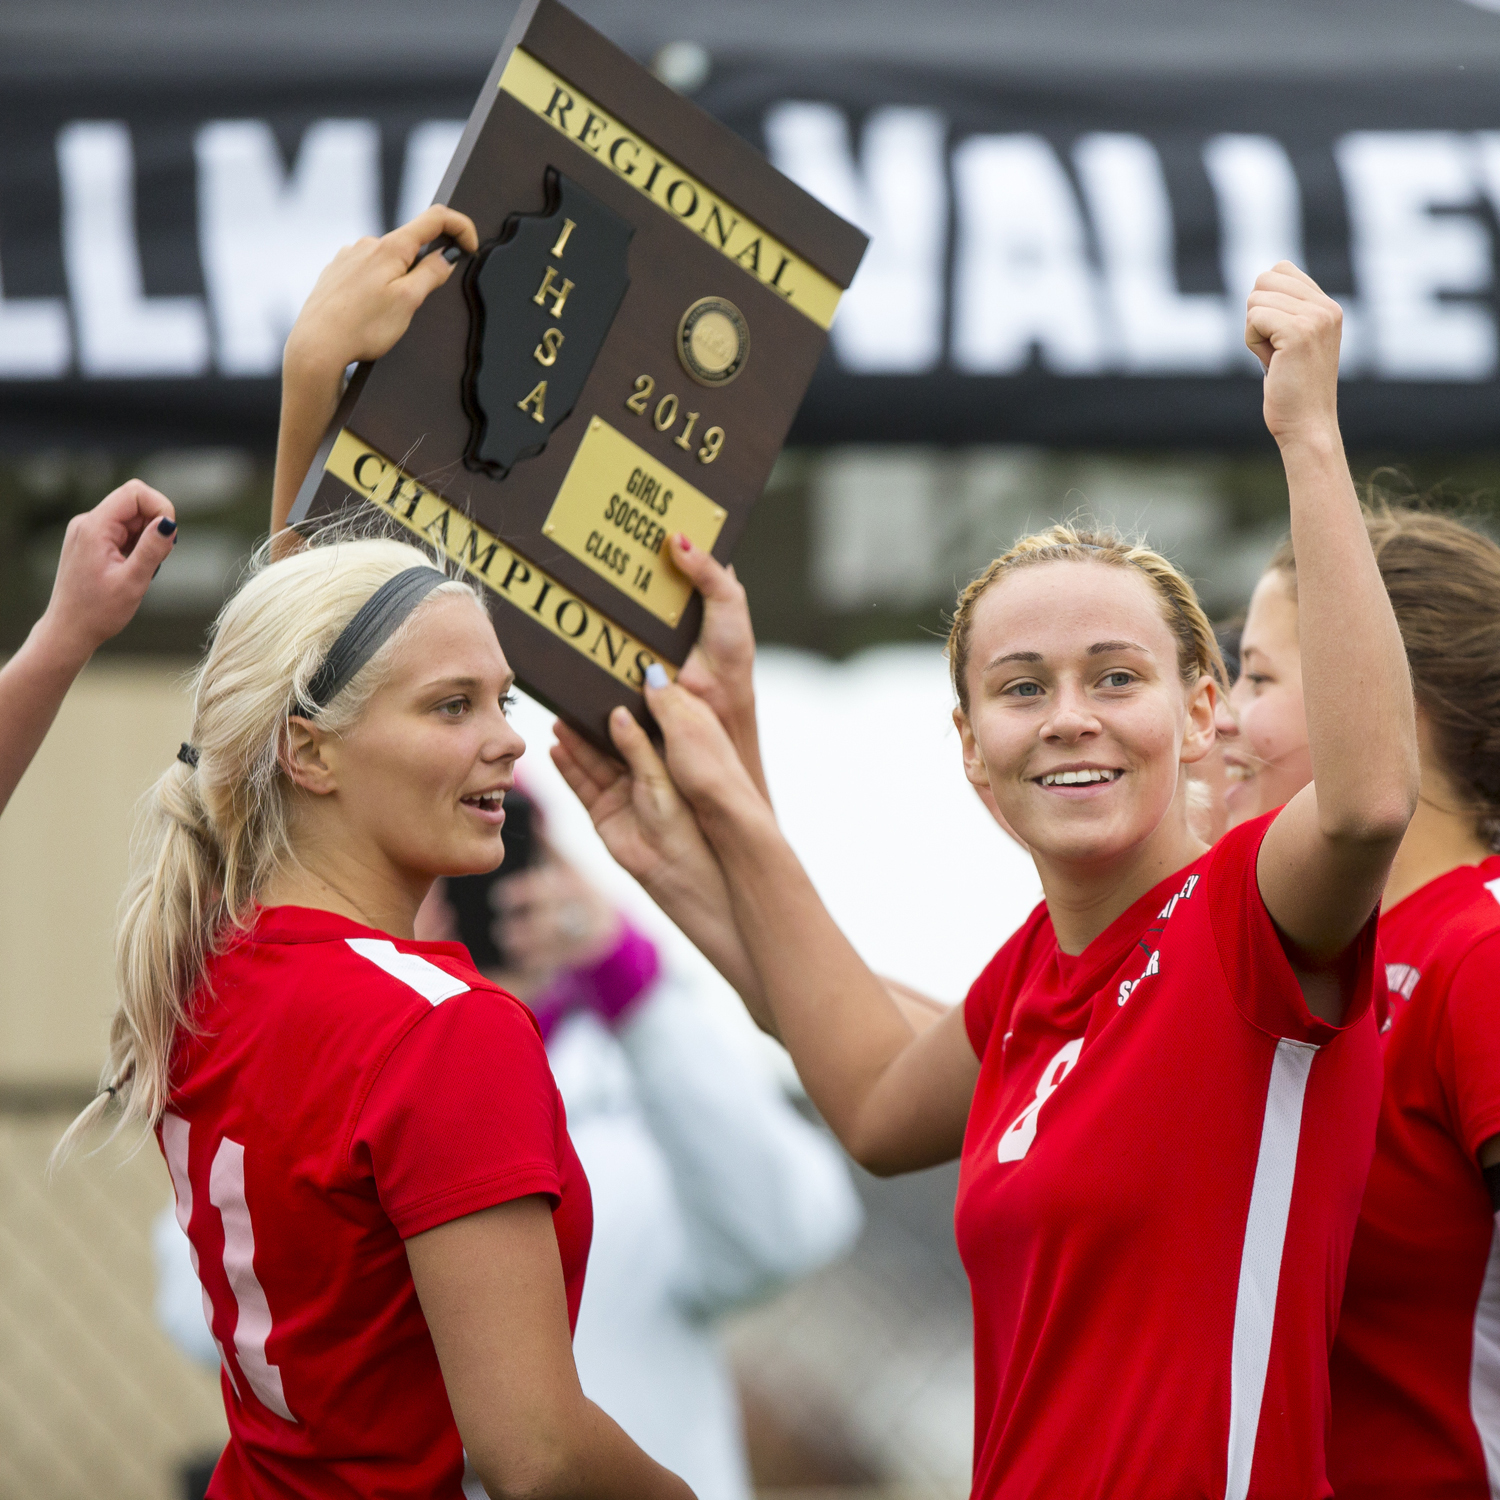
[1071, 718]
[504, 741]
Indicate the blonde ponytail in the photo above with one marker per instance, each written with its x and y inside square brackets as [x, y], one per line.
[213, 833]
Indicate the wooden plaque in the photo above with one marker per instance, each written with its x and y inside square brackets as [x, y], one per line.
[620, 361]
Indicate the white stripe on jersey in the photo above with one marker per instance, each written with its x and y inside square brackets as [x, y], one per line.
[226, 1191]
[1493, 887]
[429, 981]
[1402, 978]
[175, 1134]
[1484, 1371]
[1260, 1260]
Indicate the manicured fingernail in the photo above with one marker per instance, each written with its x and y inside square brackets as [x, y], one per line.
[452, 253]
[166, 527]
[683, 542]
[656, 675]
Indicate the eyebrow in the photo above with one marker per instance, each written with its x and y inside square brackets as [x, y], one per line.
[1099, 648]
[440, 684]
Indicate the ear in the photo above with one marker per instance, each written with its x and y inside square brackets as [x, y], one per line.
[974, 767]
[307, 757]
[1199, 733]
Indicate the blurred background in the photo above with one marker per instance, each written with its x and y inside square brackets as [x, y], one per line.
[1067, 202]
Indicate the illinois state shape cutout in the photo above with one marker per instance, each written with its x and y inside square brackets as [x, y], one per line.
[542, 296]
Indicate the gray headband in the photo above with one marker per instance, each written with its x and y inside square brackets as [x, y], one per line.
[378, 619]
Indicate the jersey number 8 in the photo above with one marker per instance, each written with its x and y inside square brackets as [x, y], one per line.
[1017, 1139]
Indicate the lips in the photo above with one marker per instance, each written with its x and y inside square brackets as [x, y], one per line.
[489, 805]
[1080, 776]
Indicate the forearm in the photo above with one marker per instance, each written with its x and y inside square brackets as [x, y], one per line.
[33, 684]
[310, 391]
[744, 733]
[592, 1460]
[1356, 683]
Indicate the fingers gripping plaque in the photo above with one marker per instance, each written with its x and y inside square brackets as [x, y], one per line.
[542, 297]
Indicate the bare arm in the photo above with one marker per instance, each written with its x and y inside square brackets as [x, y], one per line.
[491, 1289]
[651, 833]
[1324, 861]
[897, 1100]
[109, 557]
[361, 305]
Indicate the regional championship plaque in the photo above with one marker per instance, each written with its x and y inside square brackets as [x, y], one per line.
[620, 361]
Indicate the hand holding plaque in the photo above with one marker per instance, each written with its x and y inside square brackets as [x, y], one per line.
[617, 364]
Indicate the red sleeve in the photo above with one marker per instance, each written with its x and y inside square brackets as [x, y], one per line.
[991, 996]
[1472, 1044]
[462, 1115]
[1260, 976]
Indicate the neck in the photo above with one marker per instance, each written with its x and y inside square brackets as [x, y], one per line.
[1439, 838]
[1084, 897]
[367, 889]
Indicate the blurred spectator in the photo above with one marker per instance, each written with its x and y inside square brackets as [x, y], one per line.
[710, 1189]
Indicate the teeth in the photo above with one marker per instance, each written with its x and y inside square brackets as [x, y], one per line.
[1077, 778]
[488, 800]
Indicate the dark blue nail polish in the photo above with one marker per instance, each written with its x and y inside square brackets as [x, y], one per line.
[166, 527]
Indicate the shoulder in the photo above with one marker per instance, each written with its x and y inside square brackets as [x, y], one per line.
[339, 959]
[1477, 922]
[1230, 887]
[1237, 848]
[995, 989]
[322, 974]
[1445, 930]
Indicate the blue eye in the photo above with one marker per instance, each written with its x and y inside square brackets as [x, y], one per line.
[1119, 679]
[1027, 689]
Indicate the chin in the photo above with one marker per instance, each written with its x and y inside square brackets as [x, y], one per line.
[473, 858]
[1077, 842]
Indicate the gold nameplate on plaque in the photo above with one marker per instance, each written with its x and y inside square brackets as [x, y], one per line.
[615, 511]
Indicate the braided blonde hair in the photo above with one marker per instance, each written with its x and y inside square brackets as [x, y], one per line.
[212, 834]
[1198, 652]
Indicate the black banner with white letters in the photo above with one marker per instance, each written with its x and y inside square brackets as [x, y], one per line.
[1061, 263]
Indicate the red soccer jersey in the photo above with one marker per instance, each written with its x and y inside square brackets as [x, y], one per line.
[1159, 1186]
[342, 1091]
[1416, 1368]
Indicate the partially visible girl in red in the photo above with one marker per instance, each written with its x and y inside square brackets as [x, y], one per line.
[1416, 1368]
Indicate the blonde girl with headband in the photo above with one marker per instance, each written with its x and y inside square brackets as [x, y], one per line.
[1416, 1366]
[1163, 1088]
[369, 1155]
